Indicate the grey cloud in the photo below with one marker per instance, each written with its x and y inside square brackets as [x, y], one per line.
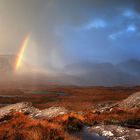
[137, 6]
[44, 17]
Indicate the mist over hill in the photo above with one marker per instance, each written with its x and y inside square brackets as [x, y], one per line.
[7, 63]
[107, 74]
[126, 73]
[131, 66]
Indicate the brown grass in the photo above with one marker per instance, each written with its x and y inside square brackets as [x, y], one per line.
[77, 98]
[116, 114]
[18, 126]
[22, 127]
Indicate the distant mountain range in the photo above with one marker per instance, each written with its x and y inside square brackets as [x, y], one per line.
[131, 66]
[106, 74]
[84, 74]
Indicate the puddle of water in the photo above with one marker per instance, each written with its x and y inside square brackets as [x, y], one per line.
[10, 96]
[4, 104]
[48, 92]
[41, 92]
[85, 135]
[61, 93]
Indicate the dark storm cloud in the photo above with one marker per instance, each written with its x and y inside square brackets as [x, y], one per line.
[60, 28]
[64, 32]
[77, 11]
[101, 27]
[137, 6]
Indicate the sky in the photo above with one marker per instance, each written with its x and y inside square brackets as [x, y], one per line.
[63, 32]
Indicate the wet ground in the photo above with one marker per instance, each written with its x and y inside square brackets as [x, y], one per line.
[29, 95]
[86, 135]
[71, 97]
[108, 132]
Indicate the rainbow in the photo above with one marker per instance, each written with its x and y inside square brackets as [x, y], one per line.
[21, 52]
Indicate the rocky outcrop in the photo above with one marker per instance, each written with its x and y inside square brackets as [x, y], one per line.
[131, 102]
[100, 129]
[24, 107]
[53, 112]
[114, 132]
[28, 108]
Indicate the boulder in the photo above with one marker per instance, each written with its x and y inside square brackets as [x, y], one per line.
[114, 132]
[25, 107]
[28, 108]
[131, 102]
[53, 112]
